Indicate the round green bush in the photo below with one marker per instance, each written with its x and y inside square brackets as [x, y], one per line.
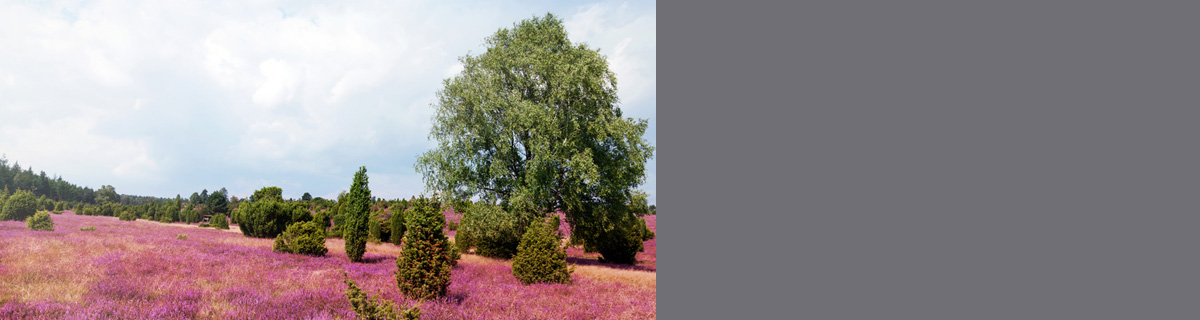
[40, 222]
[20, 206]
[304, 237]
[127, 216]
[540, 257]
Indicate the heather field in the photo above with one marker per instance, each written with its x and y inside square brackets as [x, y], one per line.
[151, 270]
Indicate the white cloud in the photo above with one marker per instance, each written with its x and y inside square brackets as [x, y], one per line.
[158, 98]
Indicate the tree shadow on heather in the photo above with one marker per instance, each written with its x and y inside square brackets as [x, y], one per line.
[596, 262]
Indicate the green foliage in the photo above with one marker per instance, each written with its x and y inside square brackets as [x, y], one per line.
[366, 307]
[127, 216]
[618, 245]
[373, 231]
[219, 221]
[396, 222]
[532, 125]
[58, 207]
[181, 236]
[306, 197]
[217, 202]
[107, 194]
[339, 222]
[268, 193]
[357, 211]
[493, 232]
[204, 225]
[303, 237]
[540, 257]
[424, 265]
[269, 216]
[40, 222]
[87, 229]
[20, 206]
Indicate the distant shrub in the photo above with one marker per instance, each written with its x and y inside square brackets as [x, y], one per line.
[267, 218]
[396, 222]
[374, 232]
[301, 238]
[339, 221]
[87, 229]
[127, 216]
[181, 236]
[58, 208]
[204, 225]
[366, 307]
[20, 206]
[540, 257]
[452, 225]
[40, 222]
[218, 221]
[424, 267]
[452, 252]
[493, 232]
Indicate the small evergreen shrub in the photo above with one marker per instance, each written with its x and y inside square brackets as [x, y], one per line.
[396, 222]
[218, 221]
[423, 269]
[87, 229]
[452, 253]
[181, 236]
[127, 216]
[452, 225]
[302, 238]
[204, 225]
[366, 307]
[540, 257]
[58, 208]
[40, 222]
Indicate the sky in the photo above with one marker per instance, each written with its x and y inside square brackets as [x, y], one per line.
[165, 98]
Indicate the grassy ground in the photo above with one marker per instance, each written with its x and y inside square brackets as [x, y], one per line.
[146, 270]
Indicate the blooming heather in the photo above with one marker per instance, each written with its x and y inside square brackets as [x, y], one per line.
[138, 270]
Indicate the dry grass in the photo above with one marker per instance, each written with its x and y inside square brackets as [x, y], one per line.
[35, 272]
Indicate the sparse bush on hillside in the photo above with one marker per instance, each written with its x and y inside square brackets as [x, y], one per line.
[40, 222]
[424, 267]
[58, 207]
[19, 206]
[304, 237]
[181, 236]
[491, 231]
[87, 229]
[218, 221]
[366, 307]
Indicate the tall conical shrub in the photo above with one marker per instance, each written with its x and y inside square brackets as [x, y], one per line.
[423, 269]
[357, 215]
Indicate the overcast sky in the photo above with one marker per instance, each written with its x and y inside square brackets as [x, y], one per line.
[160, 98]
